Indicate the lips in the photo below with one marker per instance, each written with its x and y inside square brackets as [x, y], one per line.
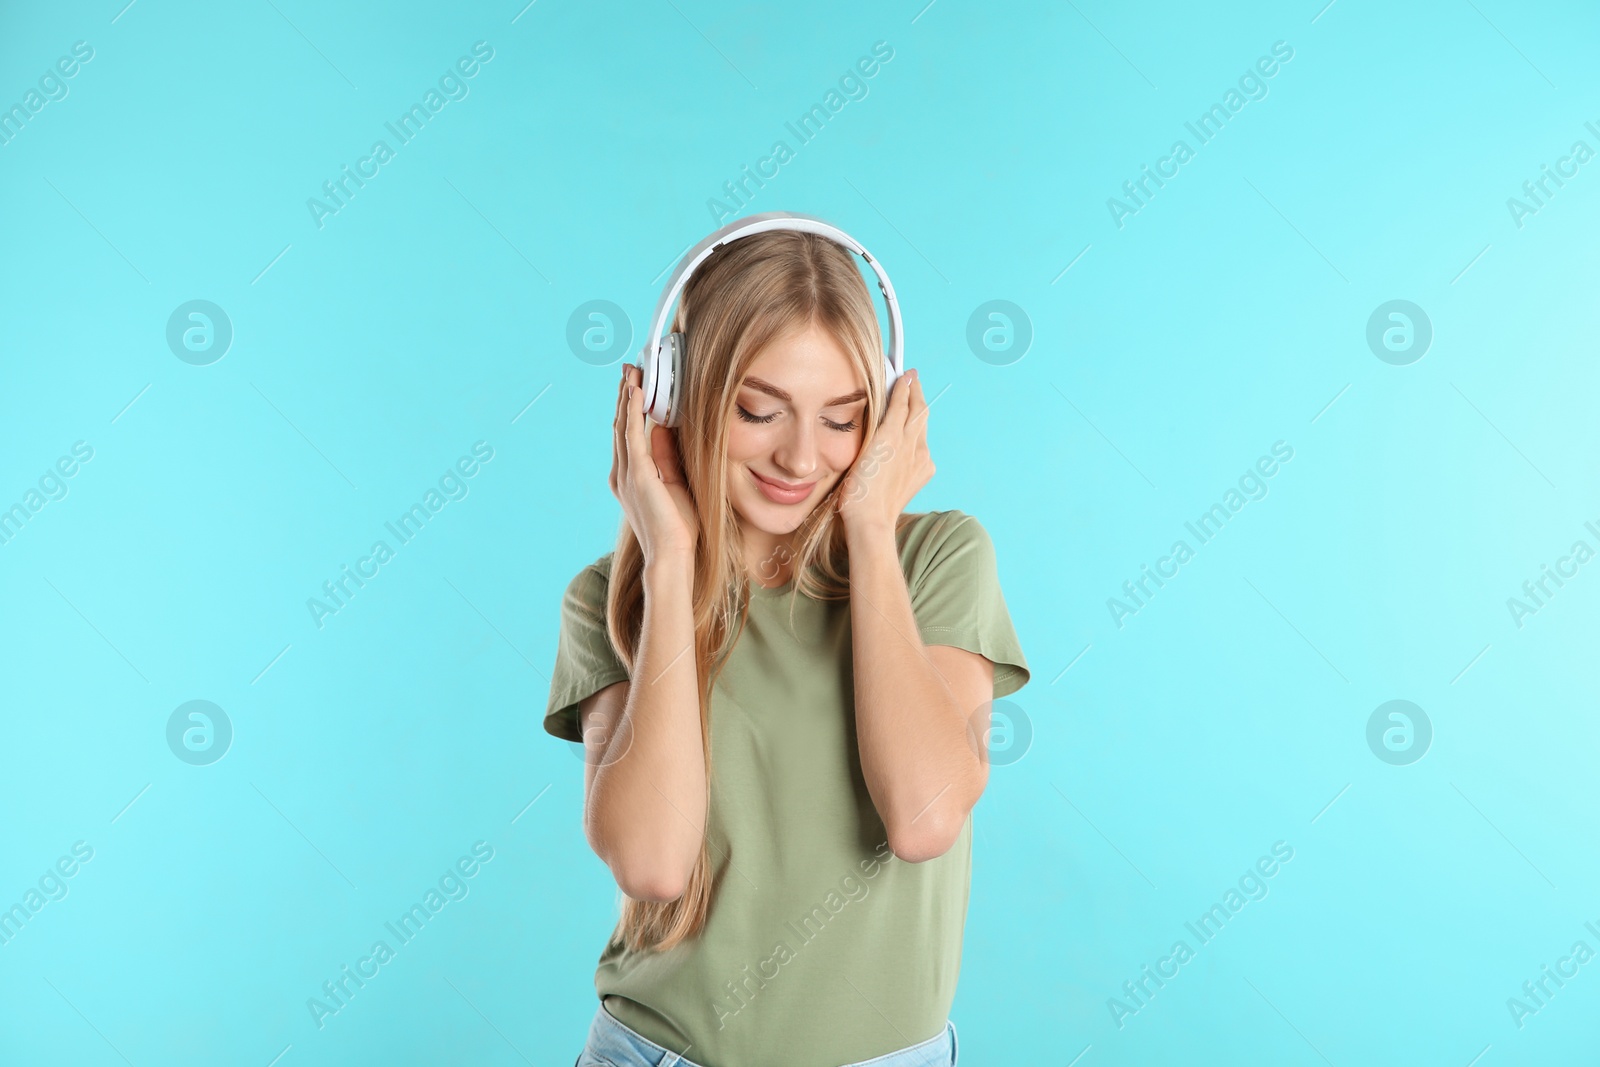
[783, 492]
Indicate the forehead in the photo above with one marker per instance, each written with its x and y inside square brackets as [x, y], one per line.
[805, 359]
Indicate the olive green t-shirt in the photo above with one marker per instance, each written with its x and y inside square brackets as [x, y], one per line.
[821, 947]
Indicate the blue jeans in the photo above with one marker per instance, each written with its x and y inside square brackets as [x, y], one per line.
[611, 1044]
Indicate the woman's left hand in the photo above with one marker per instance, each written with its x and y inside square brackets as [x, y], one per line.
[885, 477]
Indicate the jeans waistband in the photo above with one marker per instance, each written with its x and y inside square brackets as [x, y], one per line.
[610, 1038]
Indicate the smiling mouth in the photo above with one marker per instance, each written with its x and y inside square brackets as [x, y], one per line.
[783, 492]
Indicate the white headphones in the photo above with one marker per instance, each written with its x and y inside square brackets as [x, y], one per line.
[661, 361]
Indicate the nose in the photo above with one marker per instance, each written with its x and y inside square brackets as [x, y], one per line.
[796, 455]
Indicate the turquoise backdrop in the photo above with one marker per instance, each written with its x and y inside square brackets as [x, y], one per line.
[1309, 290]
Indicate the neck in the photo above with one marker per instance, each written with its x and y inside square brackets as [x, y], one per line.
[769, 560]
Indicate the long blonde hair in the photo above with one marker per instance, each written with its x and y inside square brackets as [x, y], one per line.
[744, 296]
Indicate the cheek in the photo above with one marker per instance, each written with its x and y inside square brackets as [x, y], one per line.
[743, 443]
[844, 451]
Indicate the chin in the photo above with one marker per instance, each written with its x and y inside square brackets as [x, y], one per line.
[771, 518]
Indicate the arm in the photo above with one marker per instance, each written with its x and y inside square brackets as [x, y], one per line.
[644, 809]
[644, 769]
[924, 762]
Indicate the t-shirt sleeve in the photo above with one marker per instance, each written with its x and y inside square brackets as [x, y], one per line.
[956, 597]
[586, 661]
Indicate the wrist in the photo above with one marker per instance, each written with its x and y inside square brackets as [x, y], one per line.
[668, 567]
[868, 529]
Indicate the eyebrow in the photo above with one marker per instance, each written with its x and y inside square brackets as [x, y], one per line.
[773, 391]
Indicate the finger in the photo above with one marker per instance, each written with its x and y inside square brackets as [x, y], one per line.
[895, 415]
[917, 401]
[625, 420]
[639, 462]
[664, 447]
[619, 444]
[616, 439]
[917, 413]
[614, 449]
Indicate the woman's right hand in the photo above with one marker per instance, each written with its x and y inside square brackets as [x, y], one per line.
[647, 477]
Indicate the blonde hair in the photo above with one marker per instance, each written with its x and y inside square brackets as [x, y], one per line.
[746, 295]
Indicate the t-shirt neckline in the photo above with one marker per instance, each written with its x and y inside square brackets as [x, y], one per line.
[757, 590]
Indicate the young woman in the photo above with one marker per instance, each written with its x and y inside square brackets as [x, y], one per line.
[782, 684]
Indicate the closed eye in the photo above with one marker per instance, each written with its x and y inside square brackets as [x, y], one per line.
[747, 417]
[845, 427]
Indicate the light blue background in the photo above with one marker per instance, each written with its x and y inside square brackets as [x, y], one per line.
[428, 314]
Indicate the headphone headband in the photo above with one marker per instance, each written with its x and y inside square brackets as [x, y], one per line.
[656, 356]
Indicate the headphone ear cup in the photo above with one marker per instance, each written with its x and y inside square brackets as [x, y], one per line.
[670, 389]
